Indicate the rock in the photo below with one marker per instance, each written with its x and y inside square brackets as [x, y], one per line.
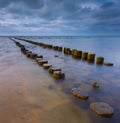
[95, 85]
[52, 69]
[108, 64]
[80, 93]
[46, 66]
[58, 75]
[102, 109]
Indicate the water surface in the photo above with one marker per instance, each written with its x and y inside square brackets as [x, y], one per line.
[29, 94]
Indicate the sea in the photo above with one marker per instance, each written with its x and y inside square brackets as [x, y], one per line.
[30, 94]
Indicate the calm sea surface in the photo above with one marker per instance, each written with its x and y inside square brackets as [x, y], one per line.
[29, 94]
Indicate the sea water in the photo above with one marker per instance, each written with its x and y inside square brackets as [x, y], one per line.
[35, 96]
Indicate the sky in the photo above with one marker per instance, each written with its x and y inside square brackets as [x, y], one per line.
[59, 17]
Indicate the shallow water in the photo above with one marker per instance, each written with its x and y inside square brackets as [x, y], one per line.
[29, 94]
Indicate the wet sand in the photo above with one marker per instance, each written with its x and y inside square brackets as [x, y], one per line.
[28, 94]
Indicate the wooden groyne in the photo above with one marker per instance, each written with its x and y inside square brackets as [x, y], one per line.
[77, 54]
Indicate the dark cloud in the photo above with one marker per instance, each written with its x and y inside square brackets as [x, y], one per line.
[29, 3]
[107, 5]
[60, 15]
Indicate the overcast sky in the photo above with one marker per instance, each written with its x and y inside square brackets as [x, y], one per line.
[59, 17]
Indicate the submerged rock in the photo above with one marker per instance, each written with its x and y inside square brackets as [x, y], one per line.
[102, 109]
[80, 93]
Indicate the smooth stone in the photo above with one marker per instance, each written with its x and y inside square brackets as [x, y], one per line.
[80, 93]
[58, 75]
[102, 109]
[108, 64]
[46, 66]
[52, 69]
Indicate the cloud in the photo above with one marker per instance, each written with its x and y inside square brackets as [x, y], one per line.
[60, 16]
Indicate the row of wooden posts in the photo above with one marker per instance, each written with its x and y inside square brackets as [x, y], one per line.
[77, 54]
[57, 72]
[100, 108]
